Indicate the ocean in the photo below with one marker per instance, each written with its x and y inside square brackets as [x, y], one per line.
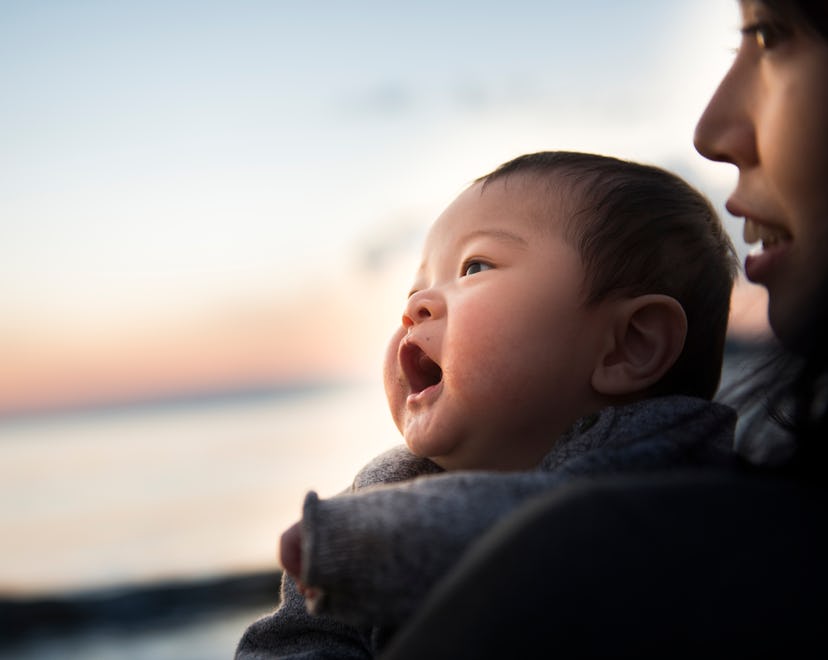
[120, 501]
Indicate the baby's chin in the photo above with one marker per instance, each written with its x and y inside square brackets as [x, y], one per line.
[428, 450]
[417, 449]
[457, 450]
[449, 461]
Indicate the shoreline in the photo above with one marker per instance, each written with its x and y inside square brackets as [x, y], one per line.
[133, 608]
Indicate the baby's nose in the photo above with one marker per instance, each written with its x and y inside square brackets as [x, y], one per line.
[422, 306]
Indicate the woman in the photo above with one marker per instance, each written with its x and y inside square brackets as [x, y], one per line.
[724, 563]
[769, 117]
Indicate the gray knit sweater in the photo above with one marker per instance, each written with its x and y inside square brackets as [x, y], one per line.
[375, 551]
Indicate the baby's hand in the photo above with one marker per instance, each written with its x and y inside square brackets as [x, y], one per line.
[290, 557]
[290, 550]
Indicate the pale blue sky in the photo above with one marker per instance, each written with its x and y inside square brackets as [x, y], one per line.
[160, 153]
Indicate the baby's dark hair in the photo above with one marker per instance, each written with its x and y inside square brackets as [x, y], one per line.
[642, 230]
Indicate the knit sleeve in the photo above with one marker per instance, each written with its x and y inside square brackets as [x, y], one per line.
[372, 555]
[290, 632]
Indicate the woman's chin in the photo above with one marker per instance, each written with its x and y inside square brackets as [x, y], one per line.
[795, 325]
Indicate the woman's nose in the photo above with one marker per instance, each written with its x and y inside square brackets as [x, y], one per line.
[726, 130]
[422, 306]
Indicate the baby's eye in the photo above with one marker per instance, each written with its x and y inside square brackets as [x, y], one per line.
[474, 267]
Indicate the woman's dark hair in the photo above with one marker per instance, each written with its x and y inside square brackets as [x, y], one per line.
[782, 394]
[811, 13]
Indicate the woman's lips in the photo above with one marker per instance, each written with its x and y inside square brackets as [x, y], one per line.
[771, 240]
[773, 244]
[760, 265]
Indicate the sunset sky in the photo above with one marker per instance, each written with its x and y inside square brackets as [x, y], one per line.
[202, 195]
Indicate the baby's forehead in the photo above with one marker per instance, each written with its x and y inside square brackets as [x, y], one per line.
[546, 201]
[516, 208]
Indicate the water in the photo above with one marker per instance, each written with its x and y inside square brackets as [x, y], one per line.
[154, 495]
[212, 638]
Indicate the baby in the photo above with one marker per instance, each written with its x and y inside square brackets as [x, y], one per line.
[567, 320]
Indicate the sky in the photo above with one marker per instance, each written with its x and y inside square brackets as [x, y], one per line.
[205, 194]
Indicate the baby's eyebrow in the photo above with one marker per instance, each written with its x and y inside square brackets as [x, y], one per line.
[498, 234]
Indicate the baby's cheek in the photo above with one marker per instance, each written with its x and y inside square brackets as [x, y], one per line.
[392, 378]
[396, 405]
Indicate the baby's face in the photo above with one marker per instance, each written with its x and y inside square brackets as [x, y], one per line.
[494, 356]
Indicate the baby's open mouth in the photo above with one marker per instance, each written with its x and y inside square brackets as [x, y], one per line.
[420, 370]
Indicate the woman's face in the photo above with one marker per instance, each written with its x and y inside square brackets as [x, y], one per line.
[769, 117]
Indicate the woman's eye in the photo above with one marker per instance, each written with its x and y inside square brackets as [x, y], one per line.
[474, 267]
[766, 35]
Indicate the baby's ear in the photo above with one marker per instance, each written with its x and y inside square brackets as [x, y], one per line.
[644, 340]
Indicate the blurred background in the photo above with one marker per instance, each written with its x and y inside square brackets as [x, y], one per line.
[210, 214]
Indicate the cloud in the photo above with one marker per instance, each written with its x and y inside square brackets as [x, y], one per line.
[398, 238]
[384, 99]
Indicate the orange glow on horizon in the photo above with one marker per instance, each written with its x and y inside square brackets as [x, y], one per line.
[321, 335]
[316, 338]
